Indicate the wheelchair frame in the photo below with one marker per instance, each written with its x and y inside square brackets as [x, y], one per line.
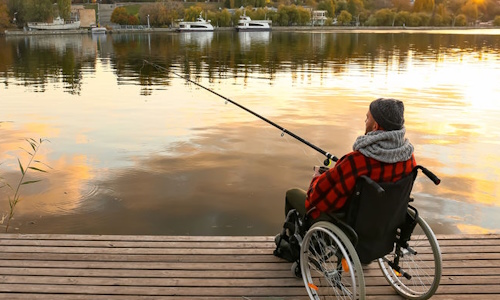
[331, 268]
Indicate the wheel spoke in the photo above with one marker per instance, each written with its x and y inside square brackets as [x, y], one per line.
[421, 260]
[321, 265]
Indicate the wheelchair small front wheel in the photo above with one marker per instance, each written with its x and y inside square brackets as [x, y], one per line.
[421, 261]
[330, 265]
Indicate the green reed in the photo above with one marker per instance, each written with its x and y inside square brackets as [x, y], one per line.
[34, 165]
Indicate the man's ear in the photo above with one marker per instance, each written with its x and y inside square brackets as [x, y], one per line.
[376, 126]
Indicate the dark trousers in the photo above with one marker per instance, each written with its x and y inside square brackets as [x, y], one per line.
[296, 199]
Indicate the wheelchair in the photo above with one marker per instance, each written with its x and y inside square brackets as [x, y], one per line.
[379, 225]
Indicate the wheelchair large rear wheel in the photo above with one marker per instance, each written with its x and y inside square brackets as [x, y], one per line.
[330, 265]
[422, 261]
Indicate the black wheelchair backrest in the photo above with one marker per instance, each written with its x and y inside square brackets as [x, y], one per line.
[376, 211]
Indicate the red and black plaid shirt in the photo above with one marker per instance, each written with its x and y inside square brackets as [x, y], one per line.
[329, 191]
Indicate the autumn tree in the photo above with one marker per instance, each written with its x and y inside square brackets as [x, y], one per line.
[174, 10]
[161, 13]
[38, 10]
[281, 17]
[382, 17]
[4, 15]
[496, 22]
[470, 10]
[311, 3]
[224, 18]
[64, 8]
[402, 18]
[119, 16]
[327, 5]
[344, 18]
[156, 12]
[400, 5]
[423, 5]
[489, 9]
[132, 20]
[460, 20]
[16, 8]
[191, 13]
[454, 8]
[354, 7]
[340, 6]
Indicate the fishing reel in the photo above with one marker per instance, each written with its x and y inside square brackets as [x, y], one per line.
[327, 162]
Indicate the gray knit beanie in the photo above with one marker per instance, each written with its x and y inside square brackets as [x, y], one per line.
[388, 113]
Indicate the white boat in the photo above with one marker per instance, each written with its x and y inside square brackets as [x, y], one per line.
[247, 24]
[199, 25]
[98, 30]
[57, 24]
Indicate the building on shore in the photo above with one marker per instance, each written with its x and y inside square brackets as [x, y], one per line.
[87, 16]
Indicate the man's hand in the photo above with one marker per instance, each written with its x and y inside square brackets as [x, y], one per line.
[318, 170]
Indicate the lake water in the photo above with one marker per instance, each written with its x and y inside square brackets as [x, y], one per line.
[136, 149]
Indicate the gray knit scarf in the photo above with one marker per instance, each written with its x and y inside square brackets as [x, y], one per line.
[385, 146]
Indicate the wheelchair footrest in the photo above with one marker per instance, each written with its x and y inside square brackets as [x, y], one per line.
[398, 270]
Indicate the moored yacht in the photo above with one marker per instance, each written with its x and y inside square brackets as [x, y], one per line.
[199, 25]
[57, 24]
[247, 24]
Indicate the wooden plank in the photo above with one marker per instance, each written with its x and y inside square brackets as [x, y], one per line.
[474, 243]
[154, 282]
[148, 266]
[446, 280]
[135, 250]
[138, 274]
[141, 258]
[468, 236]
[135, 244]
[136, 238]
[155, 291]
[487, 291]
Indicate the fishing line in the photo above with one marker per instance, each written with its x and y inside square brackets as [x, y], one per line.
[329, 157]
[309, 155]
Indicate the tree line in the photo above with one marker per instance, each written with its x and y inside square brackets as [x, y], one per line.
[18, 12]
[164, 13]
[339, 12]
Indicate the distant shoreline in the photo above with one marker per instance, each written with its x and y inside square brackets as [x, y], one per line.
[394, 29]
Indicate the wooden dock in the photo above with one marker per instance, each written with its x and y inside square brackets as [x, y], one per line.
[183, 267]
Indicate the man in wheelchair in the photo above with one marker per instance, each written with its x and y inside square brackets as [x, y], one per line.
[357, 212]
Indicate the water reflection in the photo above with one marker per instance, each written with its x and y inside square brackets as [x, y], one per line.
[137, 150]
[249, 39]
[199, 40]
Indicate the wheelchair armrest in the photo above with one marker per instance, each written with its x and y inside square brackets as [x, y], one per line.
[429, 174]
[308, 213]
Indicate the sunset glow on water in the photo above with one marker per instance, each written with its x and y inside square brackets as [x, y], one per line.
[138, 150]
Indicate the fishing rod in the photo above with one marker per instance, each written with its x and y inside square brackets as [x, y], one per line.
[329, 157]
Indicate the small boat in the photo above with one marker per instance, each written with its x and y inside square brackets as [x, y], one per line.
[247, 24]
[199, 25]
[98, 30]
[57, 24]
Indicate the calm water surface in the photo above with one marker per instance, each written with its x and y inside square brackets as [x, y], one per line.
[137, 150]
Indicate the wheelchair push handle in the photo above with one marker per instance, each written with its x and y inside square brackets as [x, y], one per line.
[431, 175]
